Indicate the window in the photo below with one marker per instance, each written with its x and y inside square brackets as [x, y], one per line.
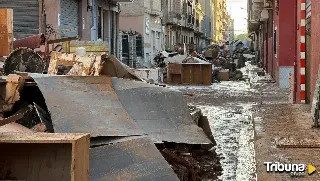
[157, 35]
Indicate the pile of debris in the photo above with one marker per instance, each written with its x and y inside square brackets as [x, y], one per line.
[192, 164]
[55, 99]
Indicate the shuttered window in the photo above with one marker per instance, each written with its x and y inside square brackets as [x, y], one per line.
[25, 17]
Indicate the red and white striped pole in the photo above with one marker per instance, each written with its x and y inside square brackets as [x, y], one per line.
[303, 51]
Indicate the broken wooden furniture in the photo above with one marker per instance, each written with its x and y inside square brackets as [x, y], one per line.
[190, 73]
[44, 156]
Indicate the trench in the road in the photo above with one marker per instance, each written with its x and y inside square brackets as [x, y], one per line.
[229, 107]
[233, 132]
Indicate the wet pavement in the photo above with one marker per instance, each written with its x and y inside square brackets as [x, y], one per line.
[229, 107]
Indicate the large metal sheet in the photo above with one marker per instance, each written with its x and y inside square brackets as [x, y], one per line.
[85, 105]
[160, 112]
[135, 160]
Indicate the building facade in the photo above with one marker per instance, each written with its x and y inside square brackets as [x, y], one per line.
[208, 20]
[179, 22]
[199, 30]
[218, 20]
[278, 29]
[144, 17]
[85, 19]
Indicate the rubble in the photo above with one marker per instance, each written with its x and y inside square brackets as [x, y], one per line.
[192, 164]
[195, 113]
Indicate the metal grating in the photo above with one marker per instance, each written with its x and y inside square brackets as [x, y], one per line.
[69, 18]
[25, 17]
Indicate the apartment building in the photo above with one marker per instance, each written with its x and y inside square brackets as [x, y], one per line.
[208, 20]
[144, 17]
[199, 30]
[179, 22]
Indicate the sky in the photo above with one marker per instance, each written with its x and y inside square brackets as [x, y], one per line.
[238, 11]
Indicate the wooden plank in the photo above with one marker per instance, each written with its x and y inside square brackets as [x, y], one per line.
[186, 74]
[81, 150]
[45, 156]
[197, 74]
[61, 40]
[6, 31]
[206, 74]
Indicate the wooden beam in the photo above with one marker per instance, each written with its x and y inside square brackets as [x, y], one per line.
[6, 31]
[68, 39]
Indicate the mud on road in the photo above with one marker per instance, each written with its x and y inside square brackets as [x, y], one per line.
[229, 107]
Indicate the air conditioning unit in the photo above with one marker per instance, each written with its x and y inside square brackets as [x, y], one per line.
[267, 4]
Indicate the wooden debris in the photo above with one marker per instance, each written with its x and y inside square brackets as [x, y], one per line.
[6, 31]
[12, 91]
[63, 157]
[4, 121]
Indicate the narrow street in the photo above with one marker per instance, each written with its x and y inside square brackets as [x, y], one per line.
[232, 107]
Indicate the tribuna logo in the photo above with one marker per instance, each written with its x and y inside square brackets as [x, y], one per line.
[287, 167]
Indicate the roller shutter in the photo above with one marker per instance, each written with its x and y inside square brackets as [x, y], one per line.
[69, 18]
[25, 16]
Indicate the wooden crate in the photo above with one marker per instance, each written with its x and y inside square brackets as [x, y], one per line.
[190, 73]
[6, 32]
[44, 156]
[196, 73]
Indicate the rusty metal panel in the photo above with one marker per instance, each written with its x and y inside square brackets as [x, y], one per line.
[133, 160]
[160, 112]
[32, 42]
[85, 105]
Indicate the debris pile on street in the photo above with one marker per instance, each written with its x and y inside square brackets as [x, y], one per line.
[193, 164]
[226, 62]
[111, 103]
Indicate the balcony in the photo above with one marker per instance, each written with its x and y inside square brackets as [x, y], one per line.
[153, 10]
[173, 18]
[190, 21]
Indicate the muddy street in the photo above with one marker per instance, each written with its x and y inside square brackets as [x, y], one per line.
[229, 107]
